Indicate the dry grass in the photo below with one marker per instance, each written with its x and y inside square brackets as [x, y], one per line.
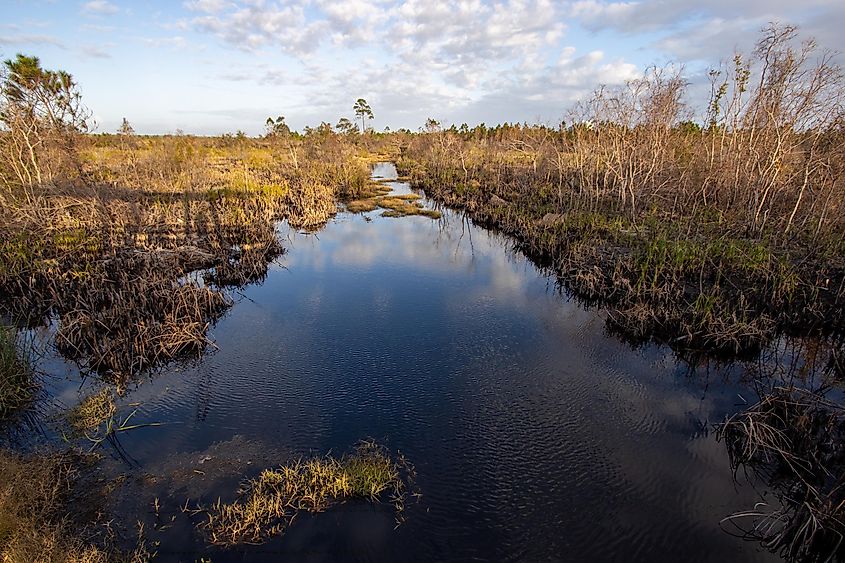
[36, 521]
[268, 504]
[138, 319]
[108, 251]
[362, 205]
[793, 439]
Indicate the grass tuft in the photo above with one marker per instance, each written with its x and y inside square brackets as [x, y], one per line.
[269, 503]
[89, 414]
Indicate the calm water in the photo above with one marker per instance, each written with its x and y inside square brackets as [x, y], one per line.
[535, 435]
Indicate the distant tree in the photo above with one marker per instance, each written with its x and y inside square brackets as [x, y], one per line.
[363, 111]
[346, 127]
[689, 127]
[431, 125]
[276, 127]
[125, 128]
[41, 114]
[322, 130]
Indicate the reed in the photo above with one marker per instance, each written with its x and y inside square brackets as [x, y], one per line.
[792, 439]
[17, 385]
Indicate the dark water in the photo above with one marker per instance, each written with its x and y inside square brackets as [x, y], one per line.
[534, 434]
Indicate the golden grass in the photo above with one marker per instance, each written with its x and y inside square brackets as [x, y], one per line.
[95, 409]
[361, 205]
[406, 197]
[268, 503]
[400, 205]
[35, 523]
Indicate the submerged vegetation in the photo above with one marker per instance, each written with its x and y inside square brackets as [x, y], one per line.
[269, 503]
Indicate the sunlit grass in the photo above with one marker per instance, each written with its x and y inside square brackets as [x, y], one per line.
[269, 502]
[91, 412]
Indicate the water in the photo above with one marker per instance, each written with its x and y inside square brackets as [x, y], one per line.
[535, 435]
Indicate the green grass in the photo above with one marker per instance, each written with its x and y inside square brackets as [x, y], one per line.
[17, 387]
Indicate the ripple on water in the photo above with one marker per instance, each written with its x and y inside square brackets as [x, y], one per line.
[535, 436]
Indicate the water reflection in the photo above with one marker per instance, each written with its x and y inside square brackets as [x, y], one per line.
[534, 434]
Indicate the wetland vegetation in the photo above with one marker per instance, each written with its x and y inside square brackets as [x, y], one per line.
[723, 240]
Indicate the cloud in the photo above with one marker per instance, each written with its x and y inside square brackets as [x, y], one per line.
[251, 26]
[100, 8]
[711, 30]
[97, 52]
[269, 77]
[174, 42]
[22, 39]
[207, 6]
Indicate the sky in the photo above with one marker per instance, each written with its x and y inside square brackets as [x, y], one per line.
[213, 66]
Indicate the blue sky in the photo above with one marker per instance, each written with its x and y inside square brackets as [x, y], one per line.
[213, 66]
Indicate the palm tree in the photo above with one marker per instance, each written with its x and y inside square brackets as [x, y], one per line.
[362, 110]
[346, 127]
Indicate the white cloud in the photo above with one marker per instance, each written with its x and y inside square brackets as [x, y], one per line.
[99, 7]
[710, 30]
[175, 42]
[250, 26]
[97, 51]
[23, 39]
[207, 6]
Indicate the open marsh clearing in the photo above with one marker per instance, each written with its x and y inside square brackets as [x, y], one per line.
[534, 434]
